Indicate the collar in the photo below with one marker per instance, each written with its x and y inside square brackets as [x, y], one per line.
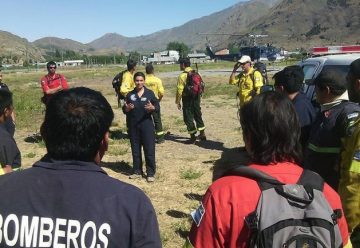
[337, 101]
[187, 69]
[48, 163]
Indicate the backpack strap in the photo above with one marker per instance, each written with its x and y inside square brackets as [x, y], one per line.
[311, 179]
[264, 180]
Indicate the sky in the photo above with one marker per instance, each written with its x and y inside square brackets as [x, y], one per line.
[87, 20]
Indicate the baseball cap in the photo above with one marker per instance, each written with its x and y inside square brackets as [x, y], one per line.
[244, 59]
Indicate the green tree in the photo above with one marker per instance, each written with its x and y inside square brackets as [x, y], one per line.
[181, 47]
[135, 56]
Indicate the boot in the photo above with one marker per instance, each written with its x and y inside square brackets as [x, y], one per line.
[202, 135]
[192, 138]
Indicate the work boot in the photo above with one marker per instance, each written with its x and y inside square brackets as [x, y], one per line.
[202, 135]
[160, 139]
[192, 138]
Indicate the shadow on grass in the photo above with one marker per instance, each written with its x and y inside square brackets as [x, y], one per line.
[193, 196]
[119, 167]
[230, 158]
[206, 144]
[33, 138]
[118, 134]
[183, 234]
[177, 214]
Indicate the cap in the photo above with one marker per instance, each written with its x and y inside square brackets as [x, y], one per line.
[244, 59]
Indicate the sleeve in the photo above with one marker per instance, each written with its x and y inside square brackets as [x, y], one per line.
[64, 83]
[180, 87]
[155, 102]
[161, 88]
[44, 85]
[147, 233]
[235, 80]
[127, 84]
[258, 81]
[335, 203]
[10, 154]
[206, 227]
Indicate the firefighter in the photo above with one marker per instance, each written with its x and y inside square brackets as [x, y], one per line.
[154, 83]
[249, 80]
[190, 105]
[322, 153]
[350, 158]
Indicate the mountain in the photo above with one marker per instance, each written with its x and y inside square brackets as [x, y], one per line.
[307, 23]
[14, 49]
[52, 43]
[241, 15]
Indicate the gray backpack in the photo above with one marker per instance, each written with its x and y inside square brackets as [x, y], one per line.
[291, 215]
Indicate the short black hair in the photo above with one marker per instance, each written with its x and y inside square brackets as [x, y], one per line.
[139, 73]
[50, 63]
[355, 68]
[5, 100]
[75, 123]
[332, 79]
[271, 123]
[185, 61]
[131, 64]
[149, 69]
[291, 78]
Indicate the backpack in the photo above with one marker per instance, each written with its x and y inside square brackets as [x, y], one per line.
[260, 67]
[195, 86]
[116, 84]
[291, 215]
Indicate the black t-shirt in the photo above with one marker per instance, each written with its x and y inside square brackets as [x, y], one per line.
[74, 204]
[9, 152]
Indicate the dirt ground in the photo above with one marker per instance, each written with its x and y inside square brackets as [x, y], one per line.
[184, 171]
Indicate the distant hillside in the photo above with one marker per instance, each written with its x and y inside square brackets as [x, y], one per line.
[307, 23]
[14, 49]
[241, 14]
[52, 43]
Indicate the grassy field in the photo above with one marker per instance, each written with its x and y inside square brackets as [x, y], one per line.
[183, 171]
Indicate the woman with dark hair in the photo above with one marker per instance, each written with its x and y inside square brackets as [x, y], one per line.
[139, 104]
[271, 134]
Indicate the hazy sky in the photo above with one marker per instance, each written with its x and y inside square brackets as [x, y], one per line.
[85, 21]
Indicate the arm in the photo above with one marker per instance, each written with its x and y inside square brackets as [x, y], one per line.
[10, 157]
[258, 81]
[161, 90]
[180, 88]
[64, 83]
[127, 84]
[233, 79]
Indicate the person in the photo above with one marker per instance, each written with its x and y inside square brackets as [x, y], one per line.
[349, 184]
[52, 82]
[155, 84]
[66, 199]
[10, 122]
[249, 80]
[271, 134]
[322, 153]
[127, 83]
[139, 105]
[10, 157]
[289, 81]
[190, 105]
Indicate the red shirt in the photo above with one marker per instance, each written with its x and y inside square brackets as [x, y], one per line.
[230, 199]
[53, 81]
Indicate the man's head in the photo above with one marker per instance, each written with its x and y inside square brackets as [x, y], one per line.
[353, 81]
[51, 67]
[76, 125]
[6, 105]
[131, 65]
[149, 69]
[289, 80]
[271, 128]
[184, 62]
[329, 85]
[245, 63]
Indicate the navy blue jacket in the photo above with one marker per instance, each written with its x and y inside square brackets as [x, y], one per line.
[9, 152]
[75, 204]
[138, 115]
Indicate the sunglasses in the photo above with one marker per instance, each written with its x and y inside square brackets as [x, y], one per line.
[52, 67]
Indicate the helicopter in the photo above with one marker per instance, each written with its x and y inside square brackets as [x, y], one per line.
[256, 52]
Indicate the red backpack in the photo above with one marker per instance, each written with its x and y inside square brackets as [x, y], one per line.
[195, 86]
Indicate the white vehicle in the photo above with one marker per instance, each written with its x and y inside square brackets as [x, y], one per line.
[333, 58]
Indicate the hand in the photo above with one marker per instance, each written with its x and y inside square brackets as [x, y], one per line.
[236, 66]
[129, 107]
[149, 107]
[7, 169]
[179, 106]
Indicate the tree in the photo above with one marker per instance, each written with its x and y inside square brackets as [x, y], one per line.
[181, 47]
[135, 56]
